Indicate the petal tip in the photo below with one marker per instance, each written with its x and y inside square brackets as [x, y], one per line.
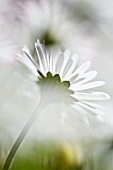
[107, 96]
[36, 44]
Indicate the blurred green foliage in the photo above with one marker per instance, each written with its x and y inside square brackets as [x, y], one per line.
[63, 156]
[44, 156]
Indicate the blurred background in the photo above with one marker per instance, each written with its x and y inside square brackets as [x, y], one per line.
[86, 28]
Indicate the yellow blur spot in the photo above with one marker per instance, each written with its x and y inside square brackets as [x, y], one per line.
[66, 154]
[69, 155]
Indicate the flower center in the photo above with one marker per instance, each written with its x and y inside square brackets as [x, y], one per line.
[49, 39]
[53, 88]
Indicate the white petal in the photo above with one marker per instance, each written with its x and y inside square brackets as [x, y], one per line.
[28, 62]
[51, 63]
[91, 96]
[26, 51]
[91, 85]
[67, 66]
[81, 79]
[48, 60]
[82, 69]
[59, 64]
[78, 108]
[55, 54]
[84, 110]
[66, 59]
[94, 105]
[92, 110]
[74, 62]
[41, 57]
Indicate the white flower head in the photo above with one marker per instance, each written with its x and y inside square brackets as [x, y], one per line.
[61, 81]
[44, 19]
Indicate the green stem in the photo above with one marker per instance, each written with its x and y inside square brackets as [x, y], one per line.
[22, 135]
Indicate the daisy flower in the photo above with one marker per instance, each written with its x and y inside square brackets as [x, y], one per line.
[60, 81]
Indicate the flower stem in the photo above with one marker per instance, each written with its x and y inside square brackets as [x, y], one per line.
[22, 135]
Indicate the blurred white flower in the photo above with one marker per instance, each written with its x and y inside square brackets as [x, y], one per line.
[44, 20]
[81, 27]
